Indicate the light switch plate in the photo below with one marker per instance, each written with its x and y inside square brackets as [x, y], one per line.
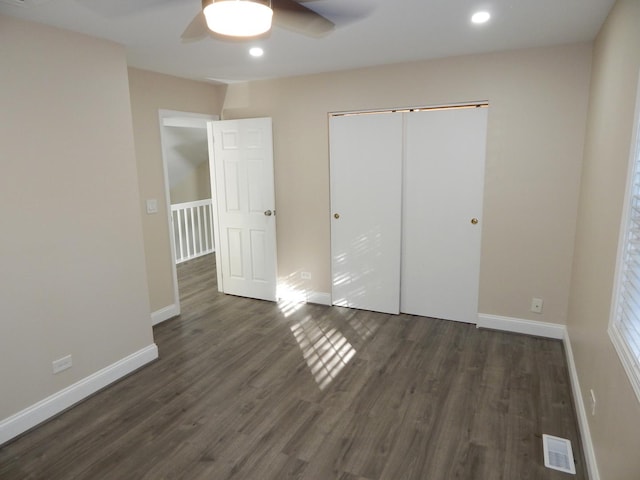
[152, 206]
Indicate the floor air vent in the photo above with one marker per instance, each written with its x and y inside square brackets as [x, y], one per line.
[558, 454]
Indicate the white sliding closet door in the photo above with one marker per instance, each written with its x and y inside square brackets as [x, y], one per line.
[442, 207]
[366, 179]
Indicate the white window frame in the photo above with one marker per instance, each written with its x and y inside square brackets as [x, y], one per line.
[630, 359]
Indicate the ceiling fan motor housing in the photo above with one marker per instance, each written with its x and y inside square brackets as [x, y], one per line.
[238, 18]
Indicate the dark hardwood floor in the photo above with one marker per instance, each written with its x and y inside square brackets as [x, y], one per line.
[246, 389]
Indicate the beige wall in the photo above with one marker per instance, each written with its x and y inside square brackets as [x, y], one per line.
[151, 92]
[73, 276]
[616, 426]
[195, 186]
[536, 129]
[73, 266]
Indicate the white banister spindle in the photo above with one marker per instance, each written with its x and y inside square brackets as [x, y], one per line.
[193, 232]
[193, 226]
[179, 222]
[200, 229]
[207, 236]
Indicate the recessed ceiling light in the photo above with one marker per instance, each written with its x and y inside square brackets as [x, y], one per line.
[256, 52]
[480, 17]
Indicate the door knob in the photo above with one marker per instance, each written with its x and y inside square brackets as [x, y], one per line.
[268, 213]
[474, 221]
[336, 215]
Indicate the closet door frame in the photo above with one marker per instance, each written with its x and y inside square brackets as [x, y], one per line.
[351, 180]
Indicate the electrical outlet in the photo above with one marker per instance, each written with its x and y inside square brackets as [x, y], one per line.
[536, 305]
[305, 275]
[593, 402]
[62, 364]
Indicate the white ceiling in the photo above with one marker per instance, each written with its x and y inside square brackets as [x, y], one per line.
[368, 32]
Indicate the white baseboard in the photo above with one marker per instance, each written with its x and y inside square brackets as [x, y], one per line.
[321, 298]
[49, 407]
[581, 411]
[165, 313]
[518, 325]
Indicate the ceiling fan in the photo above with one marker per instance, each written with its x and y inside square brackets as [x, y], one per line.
[289, 14]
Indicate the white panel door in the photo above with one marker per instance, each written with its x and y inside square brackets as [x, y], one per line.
[442, 207]
[366, 166]
[244, 196]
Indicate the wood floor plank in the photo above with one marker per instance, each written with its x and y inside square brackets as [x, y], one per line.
[247, 389]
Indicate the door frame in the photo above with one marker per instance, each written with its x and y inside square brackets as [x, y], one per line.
[184, 119]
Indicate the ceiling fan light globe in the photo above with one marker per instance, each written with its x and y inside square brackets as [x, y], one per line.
[238, 18]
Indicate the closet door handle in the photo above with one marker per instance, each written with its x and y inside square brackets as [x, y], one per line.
[474, 221]
[336, 216]
[268, 213]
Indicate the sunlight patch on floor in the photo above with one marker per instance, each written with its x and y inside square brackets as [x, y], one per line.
[325, 350]
[290, 299]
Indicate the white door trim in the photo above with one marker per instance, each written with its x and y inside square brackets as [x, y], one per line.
[190, 120]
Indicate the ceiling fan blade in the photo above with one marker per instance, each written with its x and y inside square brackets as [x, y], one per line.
[292, 15]
[196, 30]
[122, 8]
